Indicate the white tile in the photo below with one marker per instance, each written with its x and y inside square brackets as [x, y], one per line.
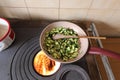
[18, 13]
[99, 15]
[115, 18]
[117, 5]
[103, 4]
[43, 3]
[116, 15]
[73, 14]
[109, 21]
[75, 3]
[38, 13]
[12, 3]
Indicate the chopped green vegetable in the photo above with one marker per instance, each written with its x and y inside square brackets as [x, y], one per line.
[64, 49]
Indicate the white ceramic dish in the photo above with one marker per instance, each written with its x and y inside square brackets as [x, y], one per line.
[83, 41]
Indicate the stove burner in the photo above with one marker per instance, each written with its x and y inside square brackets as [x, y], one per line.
[72, 72]
[16, 62]
[22, 64]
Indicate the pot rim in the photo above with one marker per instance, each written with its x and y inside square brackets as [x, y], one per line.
[79, 30]
[8, 30]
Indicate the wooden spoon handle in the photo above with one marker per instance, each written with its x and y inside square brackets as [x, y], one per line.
[92, 37]
[59, 36]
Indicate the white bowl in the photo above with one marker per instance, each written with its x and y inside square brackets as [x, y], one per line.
[83, 41]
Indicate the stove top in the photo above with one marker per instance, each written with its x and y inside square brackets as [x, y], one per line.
[16, 62]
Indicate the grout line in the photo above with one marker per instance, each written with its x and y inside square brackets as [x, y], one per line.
[59, 11]
[10, 7]
[57, 8]
[28, 10]
[43, 7]
[73, 8]
[89, 8]
[91, 4]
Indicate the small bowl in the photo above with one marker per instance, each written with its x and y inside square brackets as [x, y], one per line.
[83, 41]
[45, 66]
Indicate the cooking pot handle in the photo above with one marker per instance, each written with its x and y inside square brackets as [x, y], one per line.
[95, 50]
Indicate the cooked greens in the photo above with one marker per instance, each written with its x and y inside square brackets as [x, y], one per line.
[64, 49]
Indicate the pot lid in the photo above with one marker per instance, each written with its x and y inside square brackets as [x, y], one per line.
[72, 72]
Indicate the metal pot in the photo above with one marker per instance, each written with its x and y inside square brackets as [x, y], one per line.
[84, 43]
[7, 35]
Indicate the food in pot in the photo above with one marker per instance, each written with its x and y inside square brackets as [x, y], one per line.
[45, 66]
[65, 48]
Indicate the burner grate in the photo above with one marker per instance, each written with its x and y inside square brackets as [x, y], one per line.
[22, 65]
[16, 62]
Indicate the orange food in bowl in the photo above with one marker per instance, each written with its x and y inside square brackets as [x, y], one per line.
[43, 65]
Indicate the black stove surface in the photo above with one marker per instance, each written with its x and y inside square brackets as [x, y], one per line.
[16, 62]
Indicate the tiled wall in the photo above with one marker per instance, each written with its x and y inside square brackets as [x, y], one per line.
[106, 13]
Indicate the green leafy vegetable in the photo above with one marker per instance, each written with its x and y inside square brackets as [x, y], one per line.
[64, 49]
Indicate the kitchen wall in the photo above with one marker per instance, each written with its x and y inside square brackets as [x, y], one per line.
[105, 13]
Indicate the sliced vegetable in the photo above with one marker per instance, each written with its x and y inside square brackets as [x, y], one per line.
[64, 49]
